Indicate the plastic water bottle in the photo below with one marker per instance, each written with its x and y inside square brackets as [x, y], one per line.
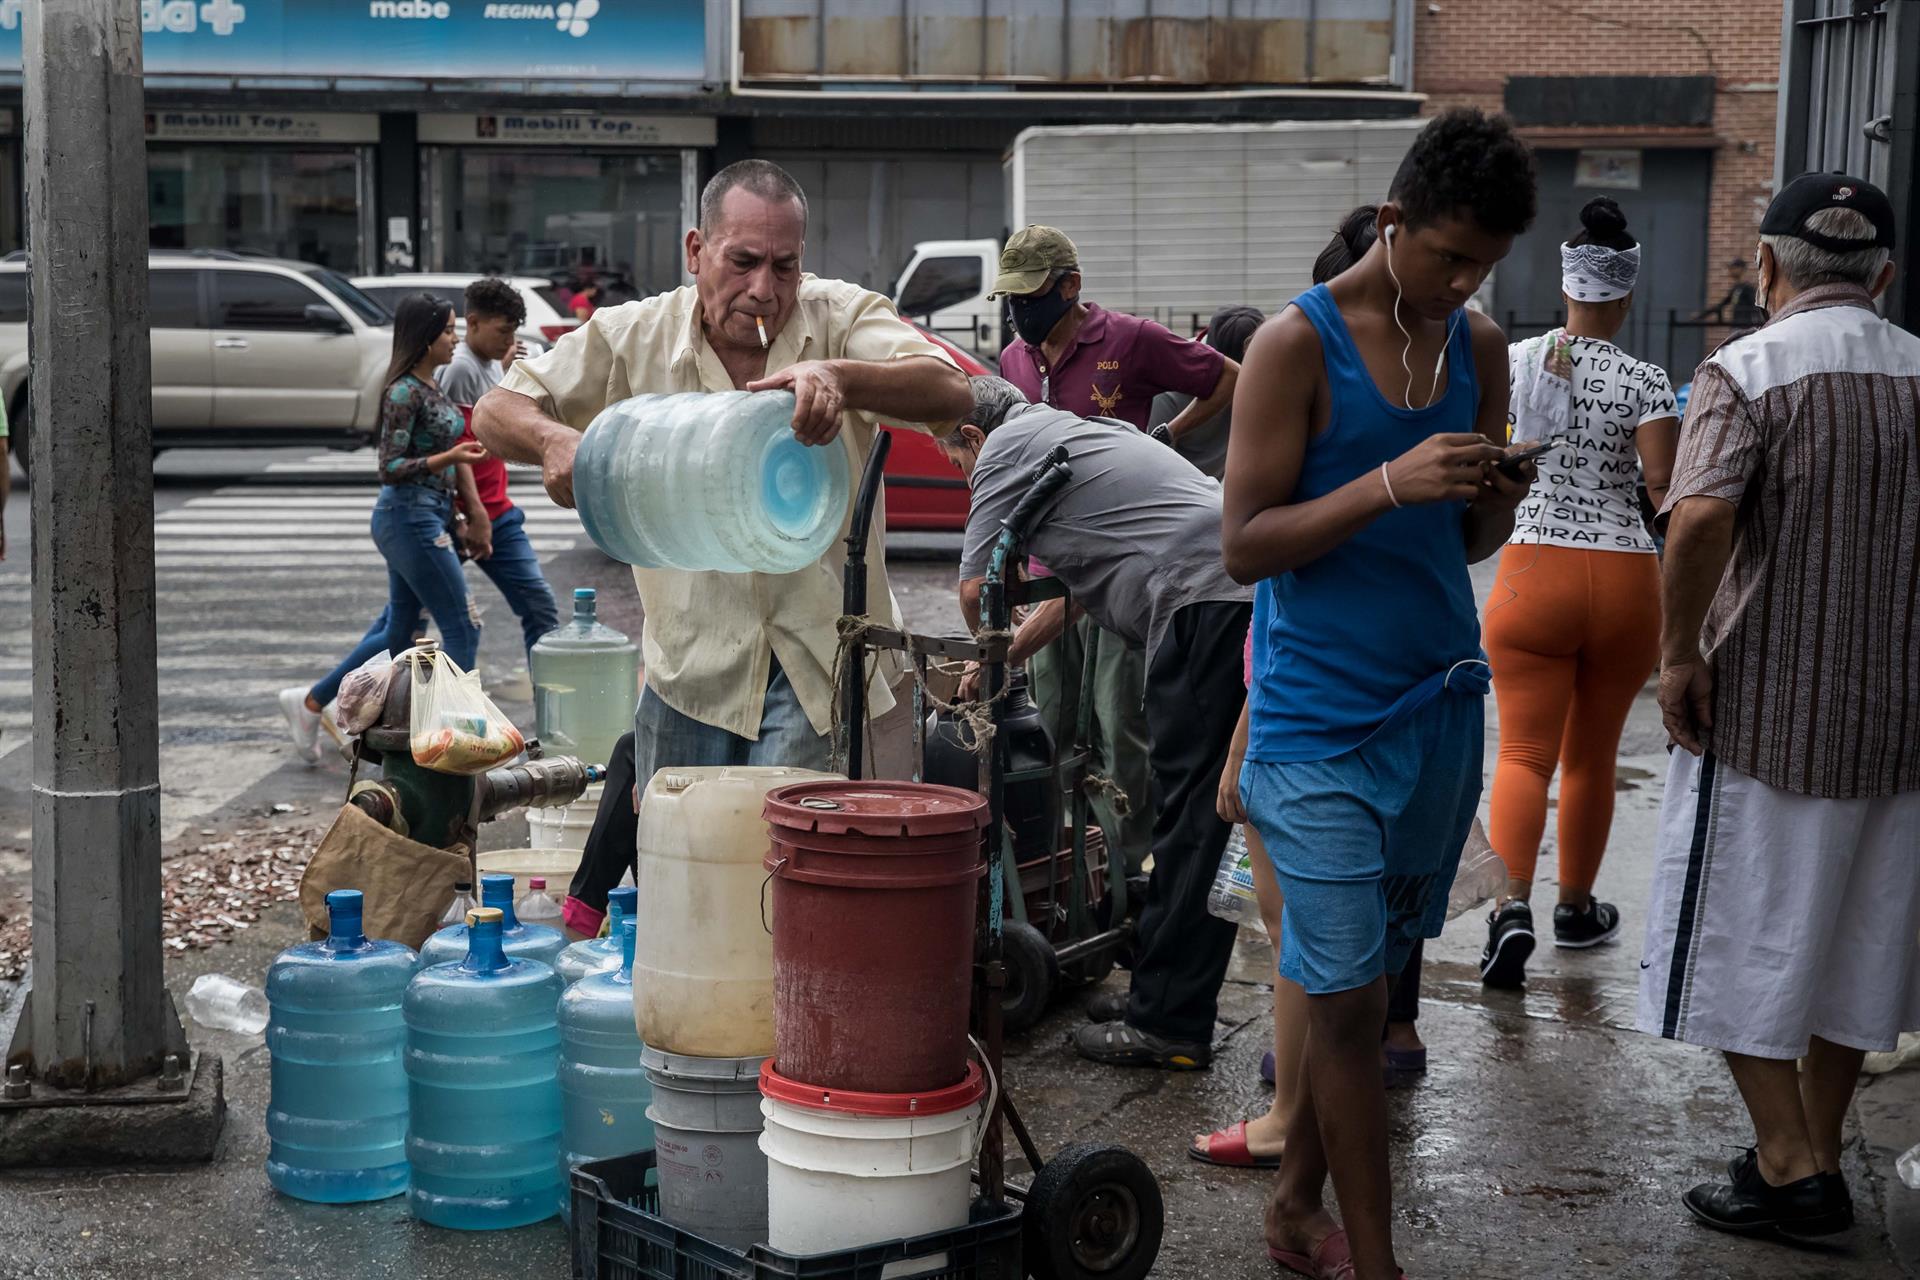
[597, 954]
[538, 906]
[586, 679]
[337, 1103]
[1232, 895]
[603, 1090]
[220, 1002]
[456, 912]
[709, 481]
[483, 1132]
[527, 941]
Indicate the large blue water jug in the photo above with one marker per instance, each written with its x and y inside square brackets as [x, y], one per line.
[337, 1105]
[597, 954]
[703, 480]
[523, 941]
[483, 1137]
[603, 1090]
[586, 679]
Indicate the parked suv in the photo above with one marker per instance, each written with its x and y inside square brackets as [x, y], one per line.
[246, 351]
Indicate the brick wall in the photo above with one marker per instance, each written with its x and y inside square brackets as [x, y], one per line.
[1464, 50]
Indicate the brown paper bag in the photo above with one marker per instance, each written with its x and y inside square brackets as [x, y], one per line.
[407, 885]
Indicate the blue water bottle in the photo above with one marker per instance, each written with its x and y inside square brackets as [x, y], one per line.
[522, 941]
[337, 1105]
[597, 954]
[604, 1092]
[483, 1135]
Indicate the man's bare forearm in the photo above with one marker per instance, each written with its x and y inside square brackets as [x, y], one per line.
[913, 388]
[1487, 529]
[513, 426]
[1042, 627]
[1202, 411]
[1699, 545]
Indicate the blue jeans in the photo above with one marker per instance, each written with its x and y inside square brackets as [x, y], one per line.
[665, 739]
[410, 526]
[514, 568]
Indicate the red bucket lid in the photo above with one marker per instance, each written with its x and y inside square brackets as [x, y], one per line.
[886, 810]
[934, 1102]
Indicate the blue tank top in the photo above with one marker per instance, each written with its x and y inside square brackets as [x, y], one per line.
[1376, 626]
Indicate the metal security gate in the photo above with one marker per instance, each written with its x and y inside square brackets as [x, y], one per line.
[1850, 79]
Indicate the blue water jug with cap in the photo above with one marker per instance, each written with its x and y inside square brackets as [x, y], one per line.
[527, 941]
[597, 954]
[586, 679]
[483, 1047]
[337, 1098]
[709, 480]
[604, 1092]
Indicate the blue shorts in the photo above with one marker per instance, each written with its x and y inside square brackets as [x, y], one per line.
[1365, 844]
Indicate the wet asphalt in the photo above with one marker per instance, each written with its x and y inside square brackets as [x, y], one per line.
[1547, 1139]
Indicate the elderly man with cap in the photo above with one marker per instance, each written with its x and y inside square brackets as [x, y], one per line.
[1074, 355]
[739, 665]
[1786, 897]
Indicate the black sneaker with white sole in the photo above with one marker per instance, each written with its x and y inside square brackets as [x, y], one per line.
[1510, 941]
[1575, 929]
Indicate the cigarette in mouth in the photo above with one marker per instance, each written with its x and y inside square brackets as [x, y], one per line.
[761, 324]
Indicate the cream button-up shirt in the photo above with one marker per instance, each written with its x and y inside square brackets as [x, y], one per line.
[709, 637]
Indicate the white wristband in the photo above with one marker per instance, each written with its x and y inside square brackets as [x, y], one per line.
[1389, 486]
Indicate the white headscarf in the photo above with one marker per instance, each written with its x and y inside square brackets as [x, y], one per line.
[1595, 273]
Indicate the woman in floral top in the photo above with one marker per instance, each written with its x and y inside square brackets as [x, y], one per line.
[419, 450]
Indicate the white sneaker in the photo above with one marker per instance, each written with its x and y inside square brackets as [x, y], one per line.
[302, 724]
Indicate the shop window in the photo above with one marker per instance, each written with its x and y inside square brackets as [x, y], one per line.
[257, 300]
[13, 297]
[939, 283]
[173, 300]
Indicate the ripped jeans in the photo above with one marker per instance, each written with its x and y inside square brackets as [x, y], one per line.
[410, 526]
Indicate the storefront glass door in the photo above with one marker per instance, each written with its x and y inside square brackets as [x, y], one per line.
[613, 215]
[284, 201]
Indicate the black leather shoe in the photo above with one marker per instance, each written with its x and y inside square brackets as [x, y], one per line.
[1749, 1205]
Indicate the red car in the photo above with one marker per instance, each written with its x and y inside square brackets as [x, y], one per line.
[924, 490]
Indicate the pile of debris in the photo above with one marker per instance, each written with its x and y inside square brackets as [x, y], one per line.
[208, 894]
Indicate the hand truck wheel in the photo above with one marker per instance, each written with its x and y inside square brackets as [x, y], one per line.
[1033, 975]
[1094, 1213]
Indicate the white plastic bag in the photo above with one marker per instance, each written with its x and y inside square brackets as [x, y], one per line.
[454, 727]
[363, 694]
[1482, 874]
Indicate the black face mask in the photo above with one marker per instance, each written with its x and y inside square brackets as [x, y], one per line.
[1035, 315]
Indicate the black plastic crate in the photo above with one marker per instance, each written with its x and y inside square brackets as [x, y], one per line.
[617, 1235]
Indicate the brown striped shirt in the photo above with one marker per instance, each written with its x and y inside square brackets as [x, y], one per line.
[1808, 425]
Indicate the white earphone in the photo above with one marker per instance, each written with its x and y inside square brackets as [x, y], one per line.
[1439, 365]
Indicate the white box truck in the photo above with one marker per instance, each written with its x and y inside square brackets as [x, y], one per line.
[1171, 221]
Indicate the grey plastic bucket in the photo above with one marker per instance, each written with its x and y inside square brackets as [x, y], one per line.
[706, 1141]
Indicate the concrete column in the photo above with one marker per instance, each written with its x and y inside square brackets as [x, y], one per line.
[100, 1016]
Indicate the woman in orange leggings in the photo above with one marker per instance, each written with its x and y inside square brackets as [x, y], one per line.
[1572, 627]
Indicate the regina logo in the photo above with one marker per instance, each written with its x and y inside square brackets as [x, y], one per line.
[571, 16]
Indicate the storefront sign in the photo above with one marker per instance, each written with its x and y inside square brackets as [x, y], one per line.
[661, 41]
[566, 128]
[1608, 170]
[261, 126]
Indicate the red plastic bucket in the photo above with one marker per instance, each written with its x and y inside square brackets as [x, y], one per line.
[874, 886]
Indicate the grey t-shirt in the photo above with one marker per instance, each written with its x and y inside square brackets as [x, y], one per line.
[467, 377]
[1206, 445]
[1135, 535]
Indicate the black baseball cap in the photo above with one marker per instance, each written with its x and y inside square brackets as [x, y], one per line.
[1809, 193]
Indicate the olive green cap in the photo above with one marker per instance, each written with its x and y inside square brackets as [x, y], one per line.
[1031, 256]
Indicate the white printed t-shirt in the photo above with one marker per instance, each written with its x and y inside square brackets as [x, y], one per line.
[1587, 493]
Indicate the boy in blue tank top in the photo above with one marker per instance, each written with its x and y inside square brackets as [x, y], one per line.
[1361, 482]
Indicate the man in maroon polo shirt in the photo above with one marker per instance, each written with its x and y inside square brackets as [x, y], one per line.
[1075, 355]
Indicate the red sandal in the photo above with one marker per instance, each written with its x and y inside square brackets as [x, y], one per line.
[1228, 1149]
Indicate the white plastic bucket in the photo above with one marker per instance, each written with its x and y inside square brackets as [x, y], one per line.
[555, 866]
[564, 826]
[840, 1179]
